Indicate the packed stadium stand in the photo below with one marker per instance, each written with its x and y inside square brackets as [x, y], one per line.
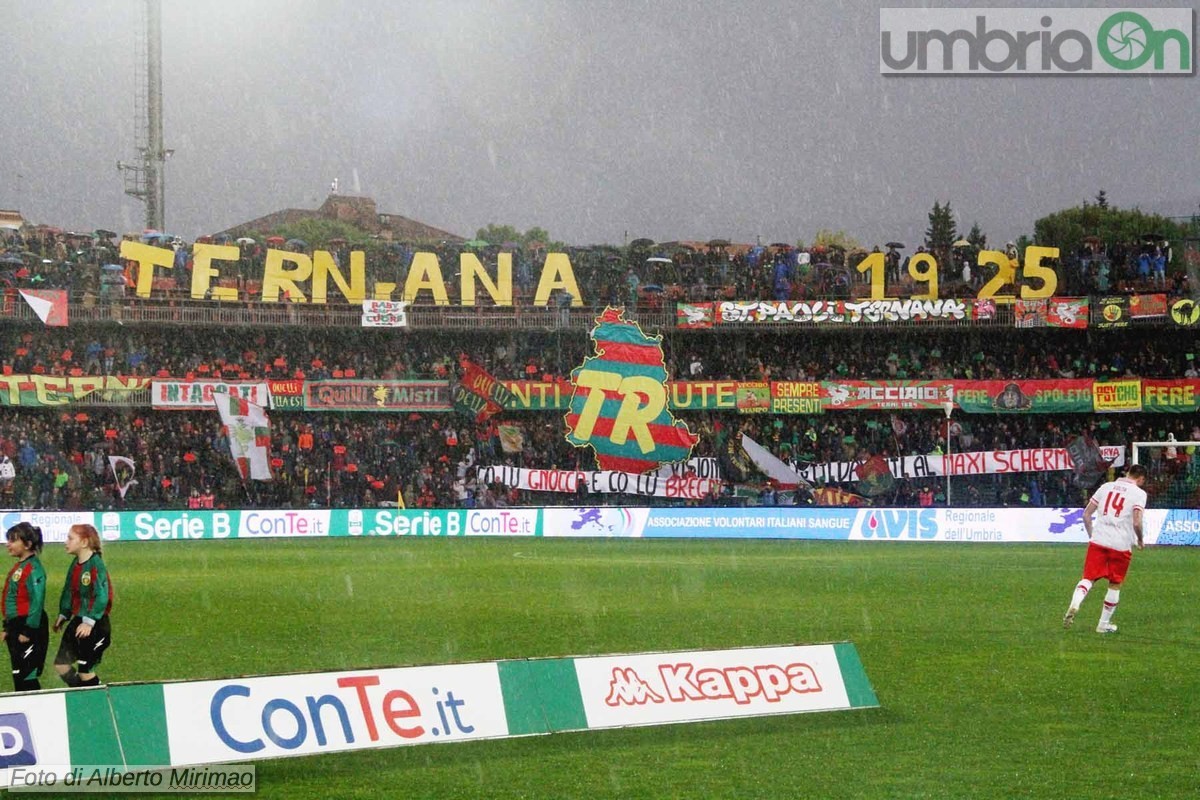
[734, 320]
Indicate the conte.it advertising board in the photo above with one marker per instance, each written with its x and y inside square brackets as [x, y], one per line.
[249, 524]
[269, 717]
[299, 523]
[272, 716]
[437, 522]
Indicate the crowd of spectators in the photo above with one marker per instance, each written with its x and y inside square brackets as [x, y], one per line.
[364, 460]
[320, 354]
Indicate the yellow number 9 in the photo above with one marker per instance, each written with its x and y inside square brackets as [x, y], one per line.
[923, 268]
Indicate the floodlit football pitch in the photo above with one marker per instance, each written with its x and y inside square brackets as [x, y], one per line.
[982, 692]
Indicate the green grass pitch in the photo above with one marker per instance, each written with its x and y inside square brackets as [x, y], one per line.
[983, 694]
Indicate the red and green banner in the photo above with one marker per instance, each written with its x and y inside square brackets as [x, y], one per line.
[538, 395]
[287, 395]
[60, 390]
[479, 393]
[50, 305]
[1068, 312]
[753, 397]
[702, 395]
[681, 395]
[694, 315]
[1054, 312]
[355, 395]
[1180, 396]
[885, 395]
[618, 406]
[1024, 397]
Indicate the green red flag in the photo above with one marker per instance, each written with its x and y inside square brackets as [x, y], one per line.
[618, 403]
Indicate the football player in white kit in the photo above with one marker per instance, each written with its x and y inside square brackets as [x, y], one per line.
[1117, 507]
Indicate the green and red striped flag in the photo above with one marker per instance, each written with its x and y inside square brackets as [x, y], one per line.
[249, 434]
[618, 405]
[479, 393]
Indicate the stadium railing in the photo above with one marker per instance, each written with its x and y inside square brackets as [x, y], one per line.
[87, 308]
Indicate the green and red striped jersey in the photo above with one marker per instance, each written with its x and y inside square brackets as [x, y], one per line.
[88, 590]
[25, 593]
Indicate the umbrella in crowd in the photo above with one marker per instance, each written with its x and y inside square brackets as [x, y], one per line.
[640, 244]
[246, 240]
[300, 243]
[895, 245]
[274, 240]
[222, 238]
[101, 233]
[961, 243]
[11, 258]
[658, 260]
[112, 268]
[476, 243]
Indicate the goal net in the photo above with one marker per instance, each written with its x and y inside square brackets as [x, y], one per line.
[1172, 472]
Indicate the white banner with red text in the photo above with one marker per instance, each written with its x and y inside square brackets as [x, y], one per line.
[650, 484]
[978, 462]
[168, 395]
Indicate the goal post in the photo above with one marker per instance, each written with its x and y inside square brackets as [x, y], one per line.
[1172, 472]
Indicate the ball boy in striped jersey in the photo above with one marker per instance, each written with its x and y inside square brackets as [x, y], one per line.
[26, 629]
[1111, 535]
[84, 607]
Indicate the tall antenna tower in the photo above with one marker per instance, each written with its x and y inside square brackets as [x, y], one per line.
[144, 177]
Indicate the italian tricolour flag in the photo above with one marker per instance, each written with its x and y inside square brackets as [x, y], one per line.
[249, 435]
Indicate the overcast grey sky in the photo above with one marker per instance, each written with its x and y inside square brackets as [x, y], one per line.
[596, 120]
